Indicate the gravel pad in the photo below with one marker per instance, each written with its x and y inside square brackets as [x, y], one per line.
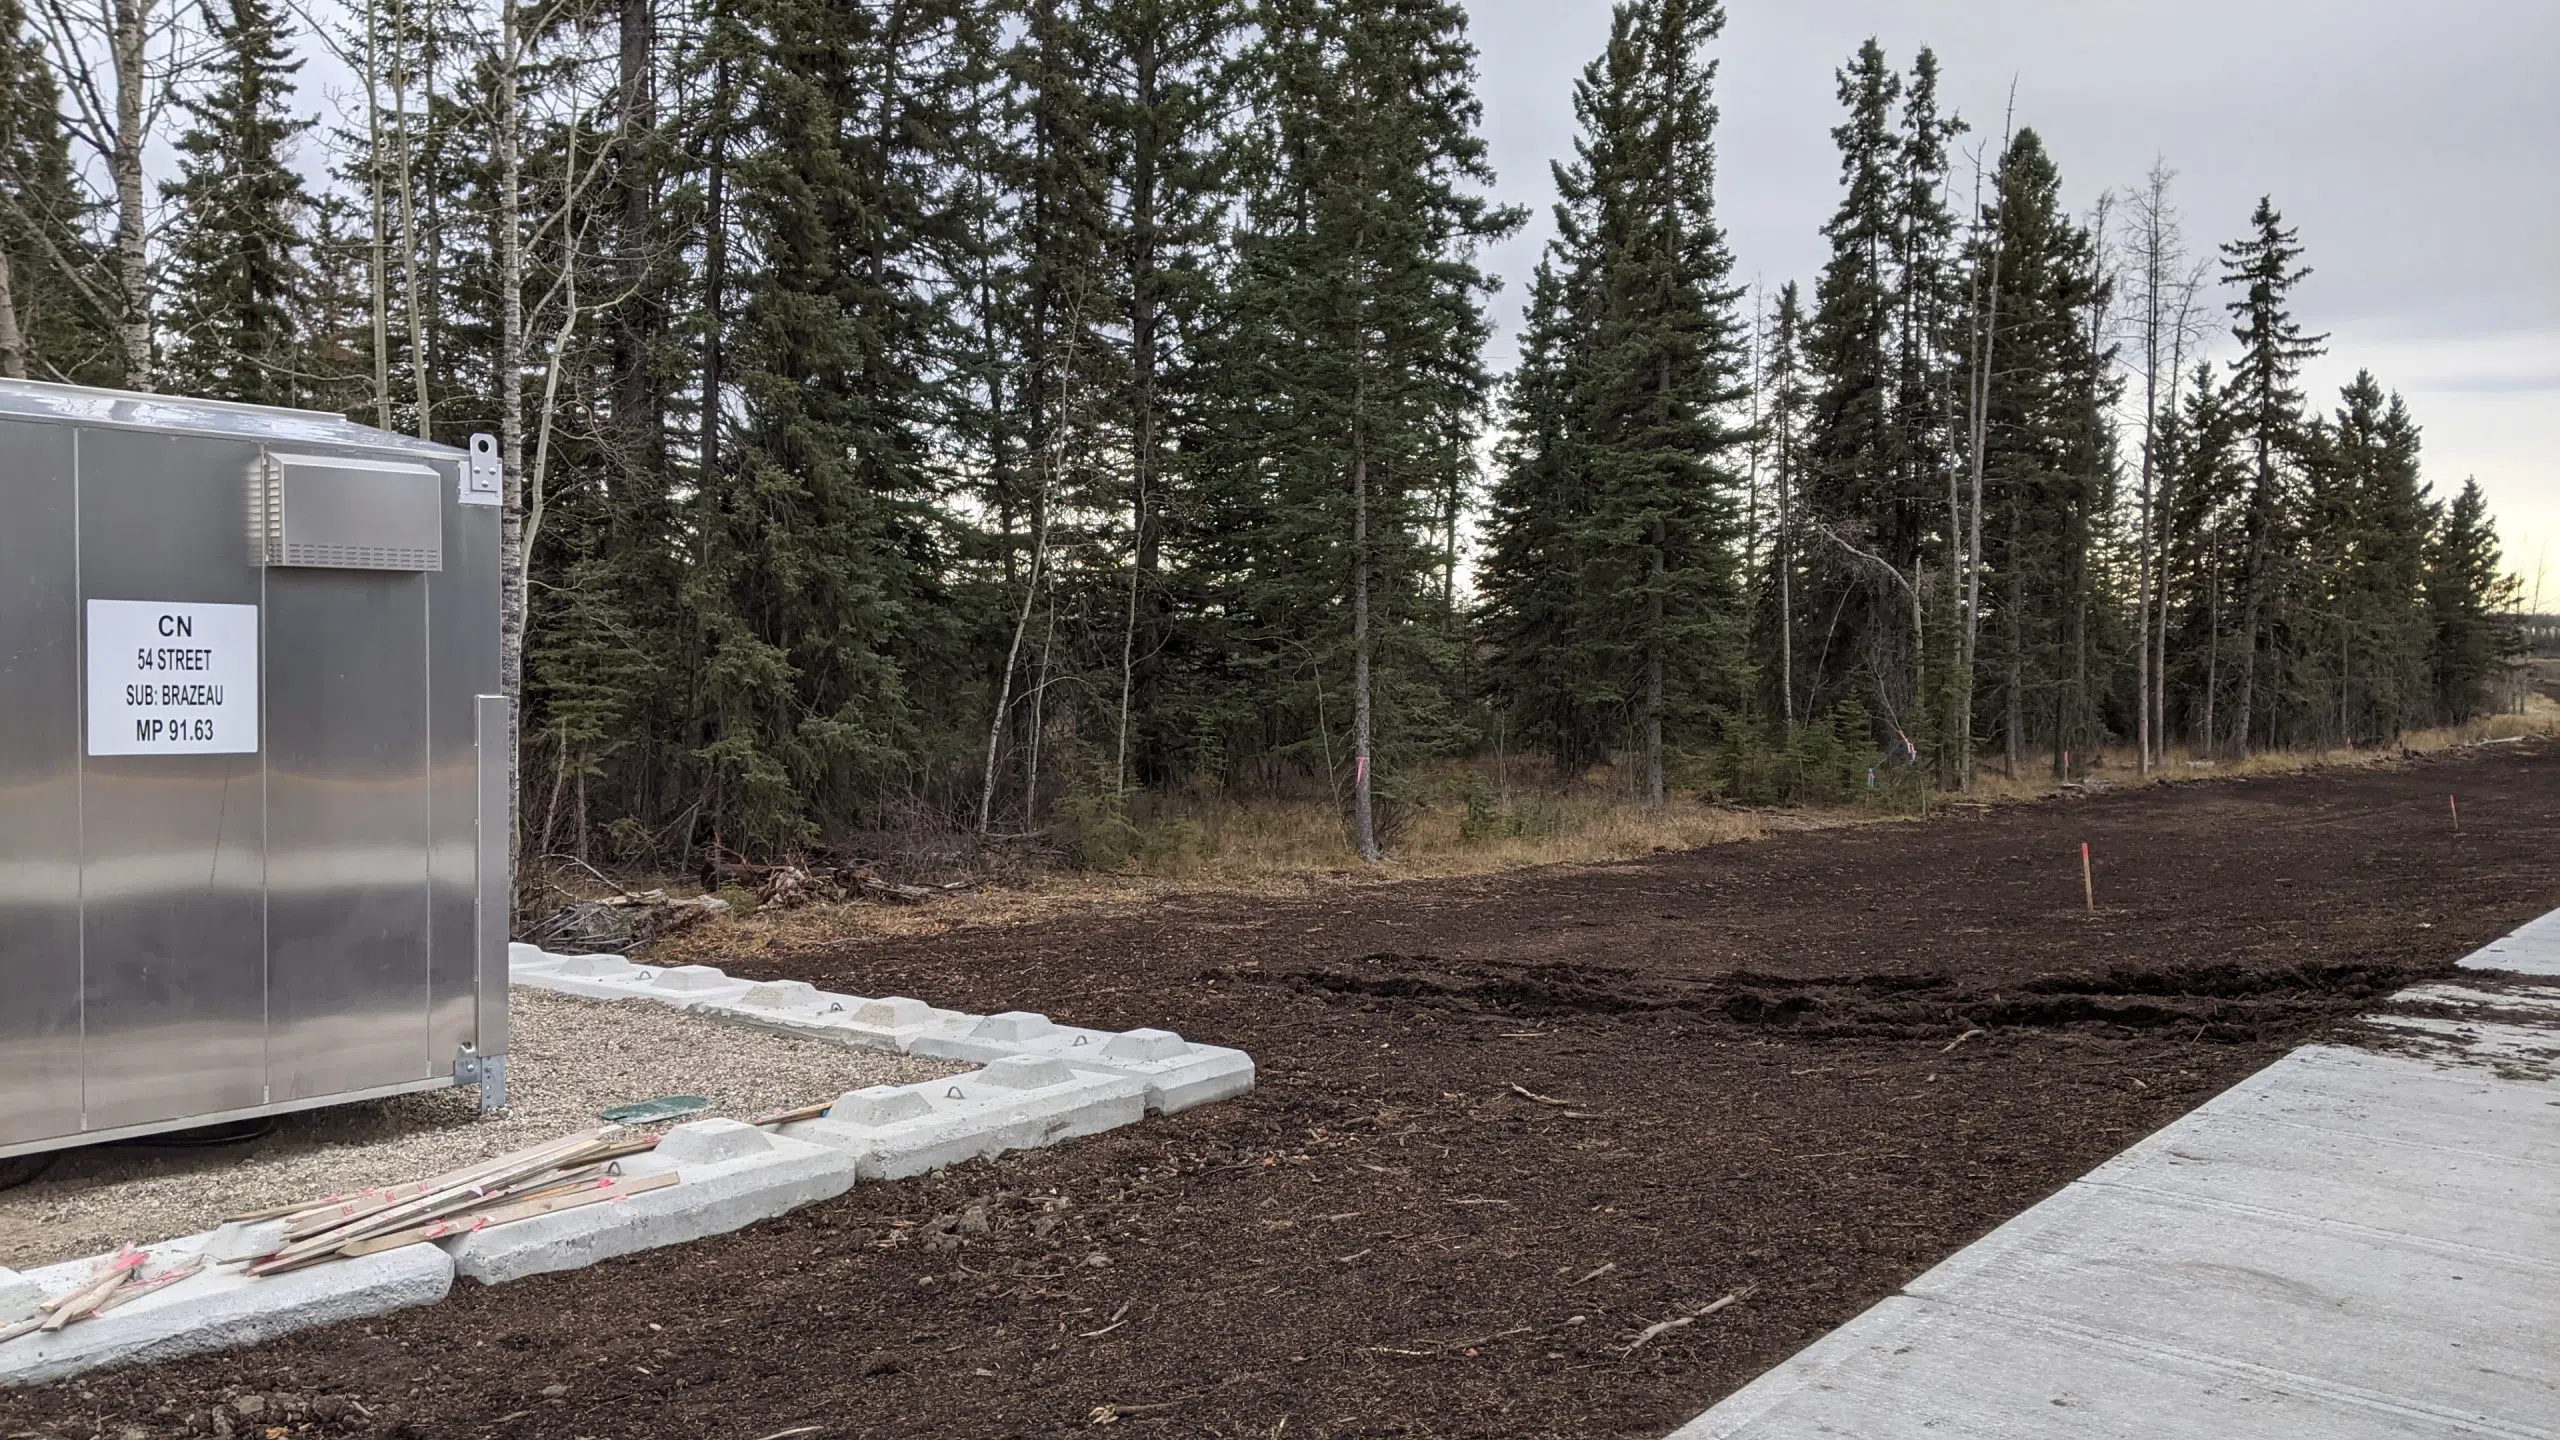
[567, 1060]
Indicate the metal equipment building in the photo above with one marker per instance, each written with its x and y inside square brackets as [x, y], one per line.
[253, 765]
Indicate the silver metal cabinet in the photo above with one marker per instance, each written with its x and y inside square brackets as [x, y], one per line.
[252, 765]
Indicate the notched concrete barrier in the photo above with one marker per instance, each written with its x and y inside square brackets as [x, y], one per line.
[729, 1175]
[1019, 1102]
[1177, 1074]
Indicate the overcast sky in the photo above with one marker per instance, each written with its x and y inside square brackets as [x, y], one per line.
[2415, 146]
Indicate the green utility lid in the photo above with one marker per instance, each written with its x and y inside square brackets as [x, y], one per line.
[653, 1112]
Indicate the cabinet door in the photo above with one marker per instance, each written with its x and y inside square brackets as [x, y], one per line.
[347, 831]
[39, 787]
[173, 835]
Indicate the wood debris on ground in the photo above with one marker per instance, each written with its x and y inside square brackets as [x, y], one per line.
[562, 1174]
[792, 884]
[623, 921]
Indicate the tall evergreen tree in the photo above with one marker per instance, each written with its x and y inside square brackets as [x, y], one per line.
[2267, 415]
[2365, 561]
[1852, 448]
[57, 297]
[1627, 484]
[238, 273]
[822, 550]
[1539, 670]
[2470, 604]
[1355, 339]
[2046, 461]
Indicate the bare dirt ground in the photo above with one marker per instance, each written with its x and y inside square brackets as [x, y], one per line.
[1507, 1127]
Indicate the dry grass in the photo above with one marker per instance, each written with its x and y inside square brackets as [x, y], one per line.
[1290, 848]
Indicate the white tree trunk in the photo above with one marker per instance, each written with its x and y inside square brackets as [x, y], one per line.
[124, 165]
[13, 345]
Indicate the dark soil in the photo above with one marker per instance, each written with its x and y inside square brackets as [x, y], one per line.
[1504, 1126]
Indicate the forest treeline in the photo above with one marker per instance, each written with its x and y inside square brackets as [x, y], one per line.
[990, 415]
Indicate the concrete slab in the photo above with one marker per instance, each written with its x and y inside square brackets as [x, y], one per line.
[220, 1308]
[2349, 1243]
[2484, 1040]
[729, 1175]
[523, 959]
[1020, 1102]
[1913, 1370]
[2531, 949]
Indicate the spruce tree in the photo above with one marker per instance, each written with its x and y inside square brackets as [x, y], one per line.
[1158, 110]
[2470, 605]
[1616, 538]
[2046, 460]
[820, 599]
[1539, 671]
[1852, 451]
[1784, 379]
[2268, 420]
[237, 271]
[57, 297]
[1660, 377]
[1354, 341]
[2365, 543]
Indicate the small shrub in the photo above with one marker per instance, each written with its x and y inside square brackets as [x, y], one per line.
[1487, 817]
[1093, 828]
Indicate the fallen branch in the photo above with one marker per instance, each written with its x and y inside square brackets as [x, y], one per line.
[1665, 1327]
[1952, 1044]
[1525, 1093]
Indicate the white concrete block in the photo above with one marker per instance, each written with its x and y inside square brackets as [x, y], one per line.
[1178, 1074]
[891, 1024]
[523, 959]
[782, 996]
[686, 986]
[726, 1181]
[219, 1308]
[1015, 1103]
[240, 1241]
[710, 1142]
[19, 1297]
[592, 977]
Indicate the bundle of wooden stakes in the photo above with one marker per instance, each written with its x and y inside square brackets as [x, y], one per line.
[563, 1174]
[123, 1280]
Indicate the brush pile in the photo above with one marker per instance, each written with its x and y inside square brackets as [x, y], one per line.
[789, 886]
